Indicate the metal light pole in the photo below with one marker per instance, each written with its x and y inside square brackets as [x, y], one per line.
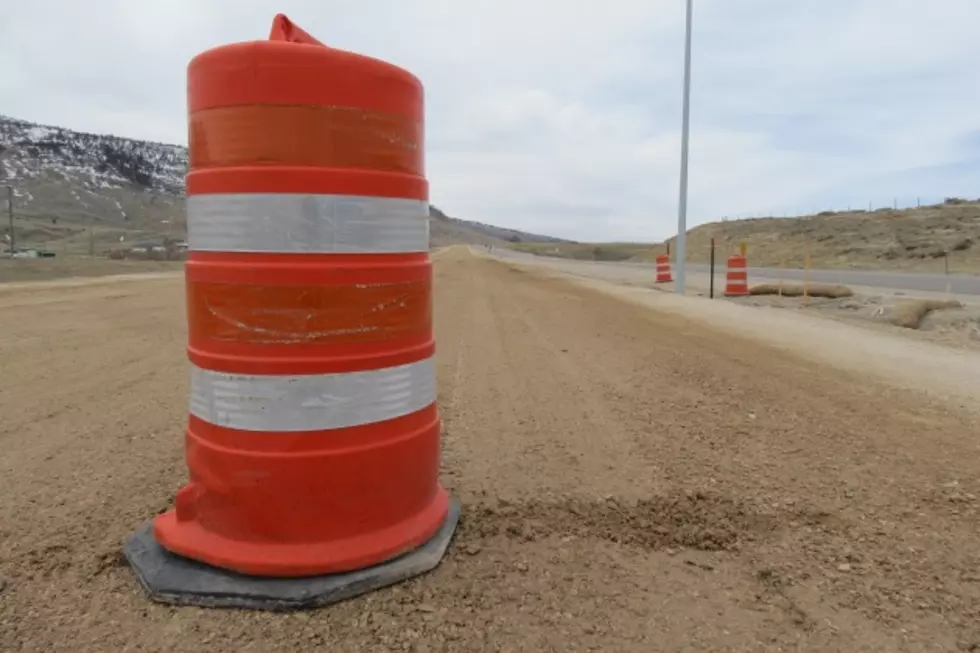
[681, 255]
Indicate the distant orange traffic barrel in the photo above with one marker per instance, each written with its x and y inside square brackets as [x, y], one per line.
[663, 269]
[313, 437]
[736, 277]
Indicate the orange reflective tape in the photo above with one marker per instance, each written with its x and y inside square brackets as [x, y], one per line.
[299, 179]
[308, 314]
[263, 269]
[329, 137]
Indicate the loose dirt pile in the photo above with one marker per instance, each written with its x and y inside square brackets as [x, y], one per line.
[799, 290]
[631, 481]
[910, 312]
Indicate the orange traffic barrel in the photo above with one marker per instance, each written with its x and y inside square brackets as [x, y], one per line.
[736, 277]
[313, 439]
[663, 269]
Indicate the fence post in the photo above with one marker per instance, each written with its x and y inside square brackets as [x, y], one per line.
[806, 278]
[10, 218]
[711, 284]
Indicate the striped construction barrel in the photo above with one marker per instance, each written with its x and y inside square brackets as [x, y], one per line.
[663, 269]
[313, 438]
[736, 277]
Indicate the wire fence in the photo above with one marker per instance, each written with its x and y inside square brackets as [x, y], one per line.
[858, 207]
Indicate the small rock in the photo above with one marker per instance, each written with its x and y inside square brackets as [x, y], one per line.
[843, 567]
[951, 484]
[472, 549]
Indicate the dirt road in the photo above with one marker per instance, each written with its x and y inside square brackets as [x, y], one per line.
[632, 480]
[43, 269]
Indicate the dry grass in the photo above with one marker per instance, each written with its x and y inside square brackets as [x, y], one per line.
[910, 239]
[910, 312]
[914, 240]
[830, 291]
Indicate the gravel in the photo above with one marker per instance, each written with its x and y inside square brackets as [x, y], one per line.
[632, 480]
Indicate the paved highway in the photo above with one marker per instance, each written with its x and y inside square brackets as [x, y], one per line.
[959, 284]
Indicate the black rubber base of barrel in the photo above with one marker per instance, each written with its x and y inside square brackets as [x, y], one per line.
[176, 580]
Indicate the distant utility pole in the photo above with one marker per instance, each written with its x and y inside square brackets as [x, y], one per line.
[10, 218]
[679, 260]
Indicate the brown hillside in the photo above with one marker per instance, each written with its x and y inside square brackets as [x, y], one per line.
[909, 239]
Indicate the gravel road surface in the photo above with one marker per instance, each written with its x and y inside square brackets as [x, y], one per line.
[632, 480]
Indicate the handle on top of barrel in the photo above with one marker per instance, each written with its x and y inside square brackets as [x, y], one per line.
[284, 29]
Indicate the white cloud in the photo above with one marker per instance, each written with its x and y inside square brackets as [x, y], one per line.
[562, 118]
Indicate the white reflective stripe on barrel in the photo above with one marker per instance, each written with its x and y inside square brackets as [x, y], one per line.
[312, 402]
[296, 223]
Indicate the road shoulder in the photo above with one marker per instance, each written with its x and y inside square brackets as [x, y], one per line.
[942, 372]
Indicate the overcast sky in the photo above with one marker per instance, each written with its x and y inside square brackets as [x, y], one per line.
[564, 118]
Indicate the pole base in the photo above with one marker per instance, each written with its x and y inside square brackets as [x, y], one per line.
[175, 580]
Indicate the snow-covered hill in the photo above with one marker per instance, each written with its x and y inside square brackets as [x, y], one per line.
[92, 161]
[73, 187]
